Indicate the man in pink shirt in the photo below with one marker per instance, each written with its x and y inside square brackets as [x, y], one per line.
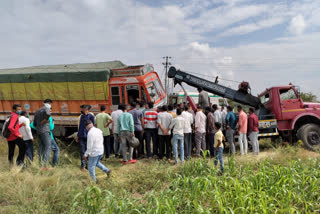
[242, 129]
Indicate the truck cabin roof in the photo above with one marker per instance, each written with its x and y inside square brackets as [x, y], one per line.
[284, 87]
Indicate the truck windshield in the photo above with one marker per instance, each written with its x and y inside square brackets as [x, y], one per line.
[265, 98]
[159, 87]
[154, 94]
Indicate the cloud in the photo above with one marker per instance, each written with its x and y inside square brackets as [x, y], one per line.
[297, 25]
[224, 16]
[35, 32]
[249, 28]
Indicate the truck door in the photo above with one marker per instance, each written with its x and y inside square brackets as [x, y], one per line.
[132, 93]
[290, 103]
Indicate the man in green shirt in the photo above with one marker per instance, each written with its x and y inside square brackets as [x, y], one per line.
[125, 127]
[103, 120]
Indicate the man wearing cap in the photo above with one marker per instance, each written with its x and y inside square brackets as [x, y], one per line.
[94, 151]
[82, 133]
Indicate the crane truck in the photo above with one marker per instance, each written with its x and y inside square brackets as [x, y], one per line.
[280, 109]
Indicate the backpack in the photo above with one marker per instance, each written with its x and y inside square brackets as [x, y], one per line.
[5, 130]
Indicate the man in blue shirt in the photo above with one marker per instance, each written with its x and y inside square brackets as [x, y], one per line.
[83, 133]
[231, 123]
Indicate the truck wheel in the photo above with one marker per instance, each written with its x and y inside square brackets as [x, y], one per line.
[300, 131]
[310, 136]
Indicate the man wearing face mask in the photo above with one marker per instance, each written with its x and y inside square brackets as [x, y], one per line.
[42, 125]
[83, 133]
[94, 151]
[15, 137]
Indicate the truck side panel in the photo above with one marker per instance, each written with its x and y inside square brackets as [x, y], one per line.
[67, 97]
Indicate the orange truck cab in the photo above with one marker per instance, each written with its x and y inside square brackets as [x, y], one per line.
[72, 85]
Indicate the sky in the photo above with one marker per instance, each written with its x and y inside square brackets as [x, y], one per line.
[266, 43]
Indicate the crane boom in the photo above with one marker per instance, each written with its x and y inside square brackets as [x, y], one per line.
[212, 87]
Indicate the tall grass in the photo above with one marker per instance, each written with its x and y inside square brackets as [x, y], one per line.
[281, 180]
[254, 188]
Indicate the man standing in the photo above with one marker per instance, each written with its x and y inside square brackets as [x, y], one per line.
[26, 134]
[230, 128]
[172, 111]
[203, 98]
[54, 146]
[151, 129]
[223, 117]
[200, 130]
[187, 132]
[138, 127]
[164, 121]
[125, 126]
[115, 115]
[178, 124]
[253, 130]
[217, 114]
[83, 133]
[15, 137]
[210, 130]
[42, 125]
[94, 151]
[103, 121]
[242, 128]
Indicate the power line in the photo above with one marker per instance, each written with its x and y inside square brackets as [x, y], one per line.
[166, 65]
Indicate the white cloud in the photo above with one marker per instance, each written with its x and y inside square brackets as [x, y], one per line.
[249, 28]
[225, 16]
[35, 32]
[297, 25]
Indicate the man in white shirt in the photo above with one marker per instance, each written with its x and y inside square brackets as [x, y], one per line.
[223, 116]
[94, 151]
[164, 120]
[200, 130]
[217, 114]
[114, 116]
[26, 133]
[187, 132]
[178, 124]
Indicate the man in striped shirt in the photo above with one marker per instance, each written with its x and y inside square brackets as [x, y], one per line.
[151, 129]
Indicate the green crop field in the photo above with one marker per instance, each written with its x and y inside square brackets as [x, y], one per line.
[279, 180]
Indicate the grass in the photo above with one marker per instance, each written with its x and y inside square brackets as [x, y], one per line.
[279, 180]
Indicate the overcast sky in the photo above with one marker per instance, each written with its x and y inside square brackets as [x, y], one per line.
[267, 43]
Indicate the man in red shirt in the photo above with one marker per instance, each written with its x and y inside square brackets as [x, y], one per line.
[253, 130]
[15, 137]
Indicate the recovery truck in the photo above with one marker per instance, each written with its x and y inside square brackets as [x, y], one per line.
[280, 109]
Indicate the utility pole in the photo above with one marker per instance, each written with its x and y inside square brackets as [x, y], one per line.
[166, 65]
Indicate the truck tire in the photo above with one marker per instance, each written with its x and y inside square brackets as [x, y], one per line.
[310, 136]
[300, 131]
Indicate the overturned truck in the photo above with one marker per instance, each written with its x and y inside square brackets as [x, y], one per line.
[71, 85]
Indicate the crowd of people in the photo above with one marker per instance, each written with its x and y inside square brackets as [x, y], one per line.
[164, 132]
